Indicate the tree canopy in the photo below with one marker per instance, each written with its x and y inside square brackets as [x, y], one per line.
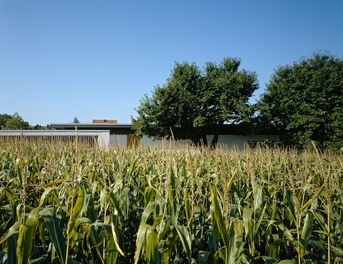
[76, 120]
[13, 122]
[3, 120]
[304, 102]
[193, 103]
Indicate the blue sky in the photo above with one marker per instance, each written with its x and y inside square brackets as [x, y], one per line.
[96, 59]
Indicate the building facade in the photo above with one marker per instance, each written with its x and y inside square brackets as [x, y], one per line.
[122, 135]
[108, 133]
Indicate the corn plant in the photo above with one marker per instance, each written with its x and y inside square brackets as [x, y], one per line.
[73, 203]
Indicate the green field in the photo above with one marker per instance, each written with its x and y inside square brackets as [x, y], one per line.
[77, 204]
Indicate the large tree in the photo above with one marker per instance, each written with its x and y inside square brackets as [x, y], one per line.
[226, 94]
[304, 102]
[16, 122]
[194, 103]
[174, 107]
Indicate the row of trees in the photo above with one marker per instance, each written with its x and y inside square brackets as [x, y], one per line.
[16, 122]
[302, 102]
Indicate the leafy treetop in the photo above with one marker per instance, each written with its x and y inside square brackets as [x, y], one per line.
[193, 104]
[304, 102]
[13, 122]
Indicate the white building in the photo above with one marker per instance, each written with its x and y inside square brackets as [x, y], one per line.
[108, 133]
[122, 135]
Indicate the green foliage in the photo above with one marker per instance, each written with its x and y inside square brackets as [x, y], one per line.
[15, 122]
[25, 236]
[76, 120]
[74, 204]
[173, 107]
[3, 120]
[304, 102]
[193, 104]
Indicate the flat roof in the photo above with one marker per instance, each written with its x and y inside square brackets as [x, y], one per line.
[226, 129]
[50, 132]
[90, 125]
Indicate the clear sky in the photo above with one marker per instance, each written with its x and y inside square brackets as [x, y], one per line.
[96, 59]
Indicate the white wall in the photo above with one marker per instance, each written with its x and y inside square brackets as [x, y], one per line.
[230, 141]
[163, 143]
[106, 140]
[103, 135]
[118, 140]
[240, 141]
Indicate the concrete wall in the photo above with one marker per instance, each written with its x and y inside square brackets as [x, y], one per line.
[239, 141]
[105, 139]
[148, 141]
[102, 135]
[229, 141]
[118, 140]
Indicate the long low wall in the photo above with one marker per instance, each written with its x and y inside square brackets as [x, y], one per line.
[240, 141]
[229, 141]
[105, 139]
[102, 137]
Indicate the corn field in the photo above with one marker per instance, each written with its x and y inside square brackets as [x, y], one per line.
[70, 203]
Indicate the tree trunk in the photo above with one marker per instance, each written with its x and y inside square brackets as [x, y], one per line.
[203, 141]
[215, 137]
[200, 141]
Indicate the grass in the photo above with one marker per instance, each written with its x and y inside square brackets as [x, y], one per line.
[71, 203]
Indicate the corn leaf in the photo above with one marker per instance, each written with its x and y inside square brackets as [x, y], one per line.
[218, 215]
[56, 235]
[25, 236]
[140, 241]
[247, 221]
[163, 253]
[56, 182]
[286, 233]
[310, 201]
[12, 230]
[40, 260]
[9, 195]
[188, 206]
[11, 249]
[76, 210]
[185, 239]
[151, 247]
[307, 228]
[230, 252]
[260, 219]
[45, 194]
[258, 198]
[115, 239]
[95, 241]
[338, 251]
[112, 252]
